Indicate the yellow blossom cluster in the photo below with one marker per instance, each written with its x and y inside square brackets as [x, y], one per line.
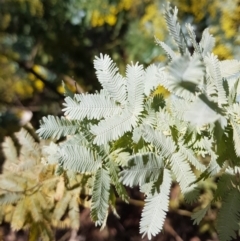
[109, 13]
[153, 22]
[222, 18]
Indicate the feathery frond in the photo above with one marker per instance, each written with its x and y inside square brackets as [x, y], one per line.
[207, 42]
[19, 215]
[110, 79]
[154, 211]
[213, 67]
[114, 127]
[236, 136]
[164, 143]
[184, 74]
[28, 145]
[229, 216]
[9, 150]
[100, 196]
[79, 159]
[191, 157]
[174, 28]
[150, 79]
[55, 127]
[229, 68]
[170, 53]
[182, 172]
[192, 36]
[135, 88]
[91, 106]
[142, 168]
[114, 170]
[200, 214]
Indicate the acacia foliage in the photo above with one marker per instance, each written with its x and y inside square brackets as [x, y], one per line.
[127, 135]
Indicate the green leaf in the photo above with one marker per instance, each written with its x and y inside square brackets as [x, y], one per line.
[229, 216]
[236, 136]
[114, 171]
[200, 214]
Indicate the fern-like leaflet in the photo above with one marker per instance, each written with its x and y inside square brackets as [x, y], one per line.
[155, 209]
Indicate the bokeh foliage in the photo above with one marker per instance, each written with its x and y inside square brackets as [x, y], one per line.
[43, 42]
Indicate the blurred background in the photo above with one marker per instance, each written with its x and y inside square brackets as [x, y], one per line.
[46, 42]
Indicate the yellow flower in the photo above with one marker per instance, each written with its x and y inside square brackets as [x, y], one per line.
[222, 51]
[60, 89]
[97, 19]
[111, 19]
[228, 25]
[125, 4]
[23, 89]
[160, 90]
[39, 85]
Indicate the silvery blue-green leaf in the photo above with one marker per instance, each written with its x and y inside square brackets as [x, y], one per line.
[55, 127]
[142, 168]
[199, 113]
[51, 152]
[192, 36]
[190, 156]
[175, 28]
[79, 159]
[184, 75]
[91, 106]
[110, 79]
[114, 127]
[135, 88]
[207, 42]
[155, 208]
[151, 80]
[170, 53]
[159, 140]
[183, 172]
[100, 196]
[229, 68]
[213, 68]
